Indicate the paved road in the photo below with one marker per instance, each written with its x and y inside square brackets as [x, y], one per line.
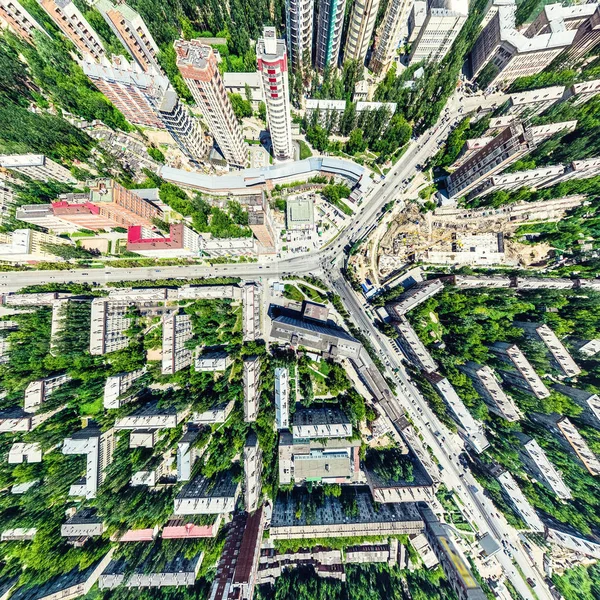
[328, 262]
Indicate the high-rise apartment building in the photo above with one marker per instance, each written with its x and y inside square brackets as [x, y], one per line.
[390, 32]
[507, 54]
[182, 126]
[272, 65]
[507, 147]
[442, 23]
[299, 31]
[74, 25]
[14, 16]
[360, 30]
[128, 87]
[36, 166]
[330, 21]
[198, 66]
[130, 28]
[147, 98]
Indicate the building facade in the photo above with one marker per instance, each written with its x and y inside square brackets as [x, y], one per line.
[36, 166]
[272, 65]
[389, 35]
[14, 16]
[328, 36]
[131, 30]
[197, 64]
[443, 21]
[360, 29]
[299, 29]
[74, 25]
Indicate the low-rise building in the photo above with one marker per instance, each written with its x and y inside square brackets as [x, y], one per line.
[567, 434]
[177, 330]
[253, 464]
[413, 297]
[251, 380]
[519, 502]
[556, 351]
[98, 448]
[312, 423]
[589, 402]
[213, 362]
[300, 214]
[245, 84]
[329, 112]
[521, 374]
[331, 460]
[191, 527]
[487, 385]
[282, 398]
[203, 496]
[540, 467]
[413, 348]
[290, 520]
[470, 429]
[143, 438]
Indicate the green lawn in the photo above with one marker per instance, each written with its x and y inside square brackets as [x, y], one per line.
[305, 151]
[291, 292]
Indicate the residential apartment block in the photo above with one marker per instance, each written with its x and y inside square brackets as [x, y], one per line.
[272, 65]
[329, 519]
[588, 401]
[198, 66]
[98, 448]
[282, 398]
[14, 16]
[570, 438]
[504, 149]
[455, 566]
[203, 496]
[36, 166]
[314, 423]
[470, 429]
[20, 453]
[488, 387]
[389, 34]
[540, 467]
[521, 374]
[328, 33]
[75, 26]
[151, 416]
[413, 348]
[213, 362]
[442, 22]
[129, 87]
[109, 321]
[117, 386]
[557, 353]
[37, 392]
[413, 297]
[131, 30]
[252, 473]
[519, 502]
[360, 29]
[251, 380]
[299, 30]
[507, 54]
[177, 330]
